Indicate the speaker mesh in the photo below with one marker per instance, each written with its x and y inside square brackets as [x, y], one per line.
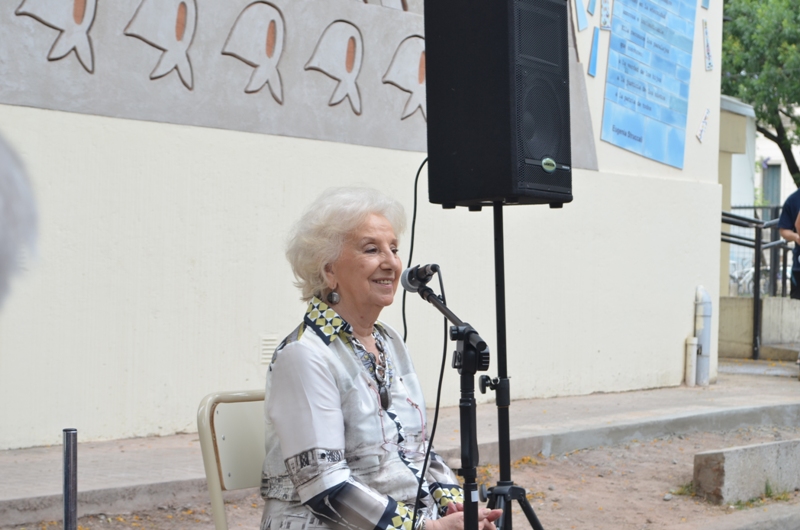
[540, 33]
[542, 94]
[541, 117]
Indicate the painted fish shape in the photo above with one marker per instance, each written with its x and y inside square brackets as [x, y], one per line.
[257, 39]
[338, 55]
[407, 72]
[168, 25]
[73, 19]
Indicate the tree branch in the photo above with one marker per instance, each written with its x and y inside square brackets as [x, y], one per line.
[794, 119]
[788, 156]
[767, 134]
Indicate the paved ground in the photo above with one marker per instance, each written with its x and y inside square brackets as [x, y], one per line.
[144, 474]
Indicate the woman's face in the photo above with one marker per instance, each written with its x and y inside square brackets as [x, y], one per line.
[368, 270]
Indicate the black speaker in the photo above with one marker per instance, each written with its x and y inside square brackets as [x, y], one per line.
[498, 102]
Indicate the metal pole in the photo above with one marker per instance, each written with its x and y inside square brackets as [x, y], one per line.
[774, 235]
[757, 295]
[70, 479]
[504, 444]
[505, 492]
[783, 271]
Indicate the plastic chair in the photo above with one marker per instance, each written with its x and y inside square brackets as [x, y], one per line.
[231, 429]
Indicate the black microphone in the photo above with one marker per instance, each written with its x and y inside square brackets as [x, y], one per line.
[413, 278]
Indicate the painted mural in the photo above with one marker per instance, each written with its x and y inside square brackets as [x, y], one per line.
[341, 70]
[350, 71]
[73, 20]
[257, 39]
[168, 25]
[403, 74]
[338, 55]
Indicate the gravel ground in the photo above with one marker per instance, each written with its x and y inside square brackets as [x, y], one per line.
[641, 485]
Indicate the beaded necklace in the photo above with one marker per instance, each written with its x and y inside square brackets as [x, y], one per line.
[380, 369]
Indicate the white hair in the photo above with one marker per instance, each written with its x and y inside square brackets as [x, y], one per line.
[17, 216]
[318, 237]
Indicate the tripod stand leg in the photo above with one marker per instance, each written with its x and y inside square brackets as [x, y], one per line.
[503, 497]
[500, 504]
[528, 510]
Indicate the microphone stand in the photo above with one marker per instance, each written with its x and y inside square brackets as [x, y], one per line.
[471, 355]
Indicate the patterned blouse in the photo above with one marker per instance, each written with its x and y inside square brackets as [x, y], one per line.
[345, 444]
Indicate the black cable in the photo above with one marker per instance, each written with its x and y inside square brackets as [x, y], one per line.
[411, 245]
[444, 349]
[435, 412]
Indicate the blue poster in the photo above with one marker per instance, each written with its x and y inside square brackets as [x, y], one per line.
[647, 82]
[595, 49]
[582, 22]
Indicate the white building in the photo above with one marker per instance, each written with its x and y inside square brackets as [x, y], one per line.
[165, 196]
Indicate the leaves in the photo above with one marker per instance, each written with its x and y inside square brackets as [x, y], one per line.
[761, 66]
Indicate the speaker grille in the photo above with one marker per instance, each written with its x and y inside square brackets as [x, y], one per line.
[539, 116]
[539, 33]
[497, 88]
[542, 94]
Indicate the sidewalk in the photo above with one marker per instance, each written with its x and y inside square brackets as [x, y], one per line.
[138, 474]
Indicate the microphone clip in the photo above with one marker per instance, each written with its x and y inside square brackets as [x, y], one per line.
[415, 278]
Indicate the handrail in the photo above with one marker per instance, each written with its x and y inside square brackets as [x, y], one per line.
[739, 243]
[758, 245]
[733, 216]
[780, 243]
[737, 236]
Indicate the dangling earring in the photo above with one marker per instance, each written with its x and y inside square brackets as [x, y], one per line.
[333, 298]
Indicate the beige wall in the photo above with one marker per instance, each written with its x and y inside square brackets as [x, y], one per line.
[161, 272]
[725, 167]
[733, 140]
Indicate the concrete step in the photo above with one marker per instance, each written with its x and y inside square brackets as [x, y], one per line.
[779, 368]
[781, 352]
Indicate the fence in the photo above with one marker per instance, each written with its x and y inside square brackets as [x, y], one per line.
[741, 258]
[763, 265]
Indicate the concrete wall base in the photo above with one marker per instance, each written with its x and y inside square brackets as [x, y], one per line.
[743, 473]
[118, 500]
[779, 319]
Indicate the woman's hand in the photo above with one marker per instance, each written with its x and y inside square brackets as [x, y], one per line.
[454, 520]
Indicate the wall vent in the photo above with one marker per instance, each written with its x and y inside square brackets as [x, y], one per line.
[268, 344]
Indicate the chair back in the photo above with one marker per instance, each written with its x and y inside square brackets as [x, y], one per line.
[231, 429]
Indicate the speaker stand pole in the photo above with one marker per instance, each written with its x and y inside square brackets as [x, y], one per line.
[505, 492]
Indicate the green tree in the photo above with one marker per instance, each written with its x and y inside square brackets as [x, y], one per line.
[761, 66]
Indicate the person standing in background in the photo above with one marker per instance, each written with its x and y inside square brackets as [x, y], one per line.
[789, 225]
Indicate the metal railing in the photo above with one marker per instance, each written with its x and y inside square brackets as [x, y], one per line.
[778, 275]
[757, 243]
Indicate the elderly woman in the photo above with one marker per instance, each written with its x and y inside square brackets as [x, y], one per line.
[345, 415]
